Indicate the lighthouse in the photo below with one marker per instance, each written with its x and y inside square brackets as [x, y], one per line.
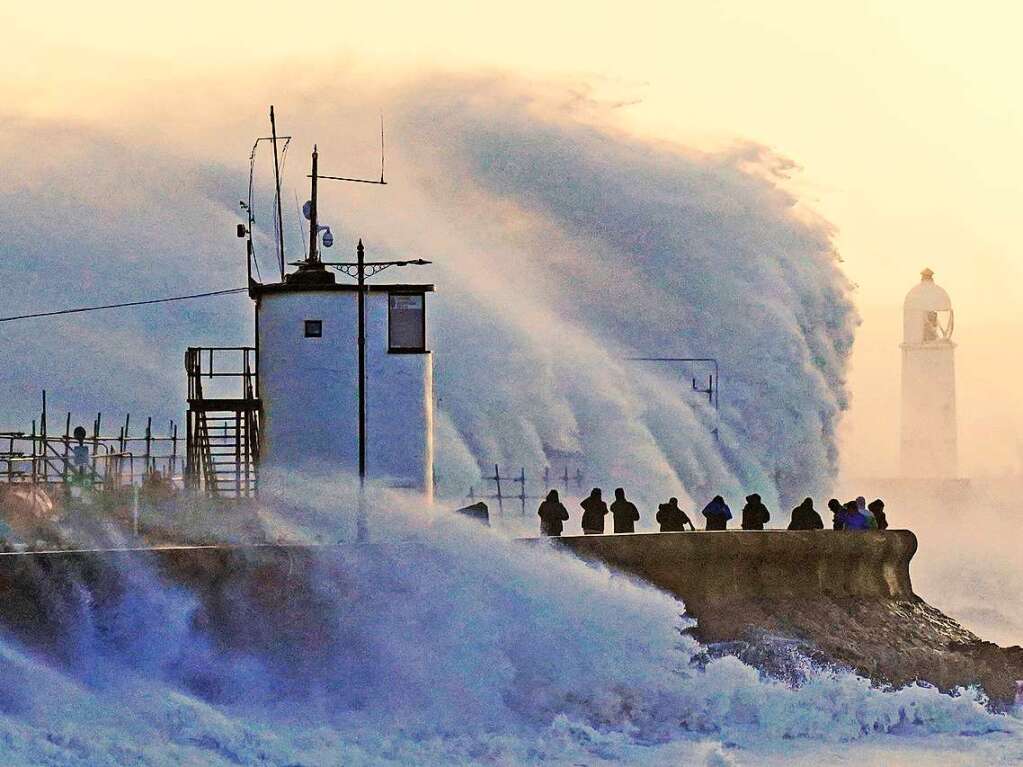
[928, 383]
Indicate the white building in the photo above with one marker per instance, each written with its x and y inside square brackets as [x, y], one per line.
[929, 427]
[308, 384]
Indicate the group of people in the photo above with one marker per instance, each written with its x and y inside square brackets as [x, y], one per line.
[853, 515]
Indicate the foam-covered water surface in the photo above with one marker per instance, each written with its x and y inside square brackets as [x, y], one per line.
[455, 647]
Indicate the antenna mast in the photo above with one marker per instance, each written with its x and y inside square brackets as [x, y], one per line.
[277, 182]
[313, 233]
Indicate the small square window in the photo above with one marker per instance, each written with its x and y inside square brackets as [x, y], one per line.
[313, 328]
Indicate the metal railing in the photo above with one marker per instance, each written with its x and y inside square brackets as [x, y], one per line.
[223, 421]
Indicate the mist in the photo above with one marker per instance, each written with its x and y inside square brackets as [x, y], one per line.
[561, 248]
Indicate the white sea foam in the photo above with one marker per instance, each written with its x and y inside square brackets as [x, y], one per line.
[455, 646]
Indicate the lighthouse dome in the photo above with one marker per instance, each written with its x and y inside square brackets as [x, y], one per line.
[927, 312]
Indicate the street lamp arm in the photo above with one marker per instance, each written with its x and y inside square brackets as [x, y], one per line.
[378, 182]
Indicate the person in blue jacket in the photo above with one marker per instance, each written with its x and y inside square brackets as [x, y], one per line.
[717, 514]
[854, 519]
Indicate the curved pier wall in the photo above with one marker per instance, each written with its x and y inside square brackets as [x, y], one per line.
[41, 593]
[704, 568]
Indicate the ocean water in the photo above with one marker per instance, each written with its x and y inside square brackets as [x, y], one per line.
[464, 648]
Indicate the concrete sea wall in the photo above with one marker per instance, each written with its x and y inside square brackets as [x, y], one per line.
[704, 568]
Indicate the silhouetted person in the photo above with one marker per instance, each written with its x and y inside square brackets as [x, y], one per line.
[754, 513]
[854, 519]
[805, 517]
[717, 514]
[624, 513]
[861, 507]
[594, 511]
[876, 508]
[672, 519]
[837, 514]
[552, 515]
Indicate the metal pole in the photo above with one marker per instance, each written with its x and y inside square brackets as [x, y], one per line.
[361, 532]
[277, 181]
[361, 251]
[313, 233]
[497, 479]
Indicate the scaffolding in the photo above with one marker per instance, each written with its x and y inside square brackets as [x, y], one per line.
[39, 457]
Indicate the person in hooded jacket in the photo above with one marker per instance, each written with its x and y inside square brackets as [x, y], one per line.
[876, 507]
[594, 511]
[754, 513]
[854, 519]
[861, 507]
[624, 513]
[837, 514]
[552, 515]
[717, 514]
[805, 517]
[672, 519]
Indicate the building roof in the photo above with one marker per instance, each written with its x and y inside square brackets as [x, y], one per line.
[257, 289]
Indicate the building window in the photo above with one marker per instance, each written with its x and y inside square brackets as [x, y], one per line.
[406, 323]
[313, 328]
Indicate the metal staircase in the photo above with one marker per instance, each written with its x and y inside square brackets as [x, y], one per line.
[223, 430]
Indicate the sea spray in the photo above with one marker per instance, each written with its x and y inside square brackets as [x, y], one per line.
[437, 641]
[561, 248]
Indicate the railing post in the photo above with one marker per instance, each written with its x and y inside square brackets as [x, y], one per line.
[67, 447]
[149, 445]
[497, 479]
[522, 489]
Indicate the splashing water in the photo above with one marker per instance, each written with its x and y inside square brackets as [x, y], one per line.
[562, 248]
[446, 645]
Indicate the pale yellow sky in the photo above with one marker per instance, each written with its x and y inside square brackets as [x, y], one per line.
[904, 117]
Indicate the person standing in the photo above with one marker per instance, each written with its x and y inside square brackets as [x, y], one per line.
[717, 514]
[837, 514]
[594, 511]
[854, 519]
[624, 513]
[861, 507]
[876, 507]
[754, 514]
[805, 517]
[553, 515]
[672, 519]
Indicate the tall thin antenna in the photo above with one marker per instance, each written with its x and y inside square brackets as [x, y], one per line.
[312, 213]
[382, 148]
[277, 182]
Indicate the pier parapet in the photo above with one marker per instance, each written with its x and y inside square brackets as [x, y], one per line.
[703, 568]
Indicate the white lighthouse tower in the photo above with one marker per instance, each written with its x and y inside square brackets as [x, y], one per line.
[928, 383]
[345, 376]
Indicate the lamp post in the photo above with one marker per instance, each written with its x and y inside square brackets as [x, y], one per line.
[361, 270]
